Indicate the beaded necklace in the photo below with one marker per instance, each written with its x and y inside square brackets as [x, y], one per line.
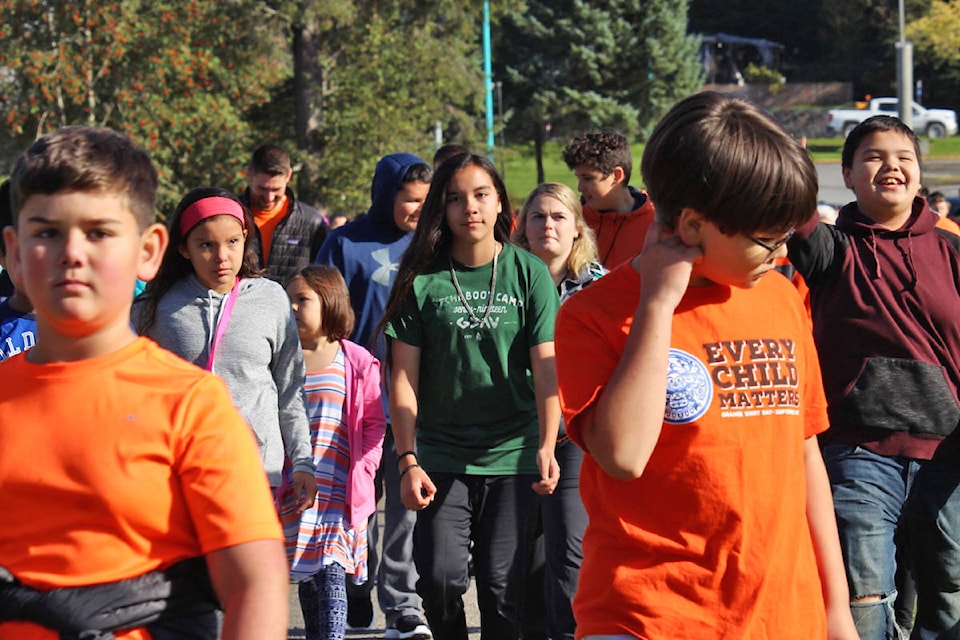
[463, 298]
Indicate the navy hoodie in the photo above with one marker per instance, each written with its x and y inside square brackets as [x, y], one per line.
[886, 320]
[367, 250]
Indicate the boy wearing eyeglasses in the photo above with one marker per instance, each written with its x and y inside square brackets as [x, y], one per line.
[689, 376]
[885, 301]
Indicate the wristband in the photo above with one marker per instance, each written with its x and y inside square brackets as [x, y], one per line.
[405, 454]
[407, 468]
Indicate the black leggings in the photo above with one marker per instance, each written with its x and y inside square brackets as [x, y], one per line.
[323, 600]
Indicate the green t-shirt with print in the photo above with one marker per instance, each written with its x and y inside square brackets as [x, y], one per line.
[477, 409]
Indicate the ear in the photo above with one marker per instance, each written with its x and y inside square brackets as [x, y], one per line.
[618, 174]
[248, 174]
[846, 177]
[690, 227]
[153, 244]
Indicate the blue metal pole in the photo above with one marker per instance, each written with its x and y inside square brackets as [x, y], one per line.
[488, 76]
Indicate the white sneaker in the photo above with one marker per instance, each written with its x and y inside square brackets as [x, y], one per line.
[409, 627]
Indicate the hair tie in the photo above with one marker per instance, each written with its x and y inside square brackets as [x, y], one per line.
[207, 208]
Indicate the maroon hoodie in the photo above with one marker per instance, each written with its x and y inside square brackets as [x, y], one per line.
[886, 320]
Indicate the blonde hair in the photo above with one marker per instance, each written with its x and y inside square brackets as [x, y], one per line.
[584, 250]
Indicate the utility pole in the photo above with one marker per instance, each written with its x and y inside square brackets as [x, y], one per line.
[488, 76]
[904, 74]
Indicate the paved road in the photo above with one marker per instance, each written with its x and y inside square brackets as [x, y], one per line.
[378, 629]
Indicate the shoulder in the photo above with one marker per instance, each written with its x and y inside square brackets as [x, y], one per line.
[522, 258]
[949, 238]
[357, 356]
[160, 359]
[776, 283]
[589, 274]
[163, 371]
[357, 230]
[620, 280]
[308, 212]
[642, 205]
[615, 295]
[264, 289]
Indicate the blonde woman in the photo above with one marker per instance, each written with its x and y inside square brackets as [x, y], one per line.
[551, 226]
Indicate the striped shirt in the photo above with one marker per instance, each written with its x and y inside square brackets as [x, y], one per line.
[323, 534]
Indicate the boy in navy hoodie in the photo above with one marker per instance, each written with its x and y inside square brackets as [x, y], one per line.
[885, 299]
[367, 252]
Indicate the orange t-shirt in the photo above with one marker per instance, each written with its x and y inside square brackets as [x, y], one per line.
[267, 222]
[118, 465]
[620, 236]
[712, 541]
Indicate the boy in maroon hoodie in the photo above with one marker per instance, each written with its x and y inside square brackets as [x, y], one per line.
[885, 299]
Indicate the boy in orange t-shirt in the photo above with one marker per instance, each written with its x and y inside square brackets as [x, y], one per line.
[127, 476]
[690, 378]
[618, 213]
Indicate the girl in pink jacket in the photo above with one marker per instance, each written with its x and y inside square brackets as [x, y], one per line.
[329, 540]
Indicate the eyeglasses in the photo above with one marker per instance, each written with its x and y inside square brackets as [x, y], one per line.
[772, 248]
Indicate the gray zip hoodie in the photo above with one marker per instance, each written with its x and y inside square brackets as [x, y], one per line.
[259, 358]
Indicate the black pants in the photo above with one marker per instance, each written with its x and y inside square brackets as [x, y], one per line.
[492, 512]
[554, 552]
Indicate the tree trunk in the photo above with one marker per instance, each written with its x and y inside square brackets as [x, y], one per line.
[307, 81]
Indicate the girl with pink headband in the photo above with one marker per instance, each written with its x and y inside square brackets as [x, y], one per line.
[209, 305]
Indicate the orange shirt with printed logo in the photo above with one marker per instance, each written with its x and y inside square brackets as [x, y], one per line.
[712, 540]
[118, 465]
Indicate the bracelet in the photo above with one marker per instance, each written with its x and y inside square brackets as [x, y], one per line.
[407, 468]
[405, 454]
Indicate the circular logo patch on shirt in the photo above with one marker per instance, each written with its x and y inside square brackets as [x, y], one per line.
[689, 390]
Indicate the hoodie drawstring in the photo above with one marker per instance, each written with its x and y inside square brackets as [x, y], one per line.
[913, 267]
[876, 256]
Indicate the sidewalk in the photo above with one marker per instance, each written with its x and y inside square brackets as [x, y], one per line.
[377, 630]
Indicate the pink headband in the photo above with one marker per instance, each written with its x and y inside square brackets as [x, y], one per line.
[207, 208]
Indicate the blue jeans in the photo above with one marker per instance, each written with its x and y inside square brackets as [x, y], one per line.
[881, 502]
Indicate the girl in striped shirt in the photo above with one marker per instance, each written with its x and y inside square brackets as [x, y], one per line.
[342, 388]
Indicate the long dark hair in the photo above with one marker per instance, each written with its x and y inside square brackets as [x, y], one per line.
[432, 240]
[175, 267]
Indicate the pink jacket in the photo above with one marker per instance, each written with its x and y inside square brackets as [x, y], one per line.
[366, 424]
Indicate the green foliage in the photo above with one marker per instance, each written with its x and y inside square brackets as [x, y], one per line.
[398, 74]
[177, 76]
[579, 65]
[388, 71]
[755, 74]
[936, 41]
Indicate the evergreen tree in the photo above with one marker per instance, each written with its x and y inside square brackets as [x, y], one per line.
[573, 65]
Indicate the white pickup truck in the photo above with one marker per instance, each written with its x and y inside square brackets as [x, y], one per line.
[935, 123]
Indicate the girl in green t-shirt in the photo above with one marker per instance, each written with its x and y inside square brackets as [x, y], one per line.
[473, 394]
